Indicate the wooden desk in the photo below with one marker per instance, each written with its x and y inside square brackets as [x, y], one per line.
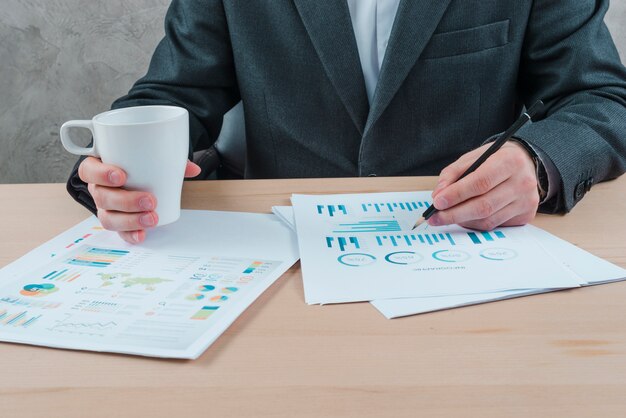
[553, 355]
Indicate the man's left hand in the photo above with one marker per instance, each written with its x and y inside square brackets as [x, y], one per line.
[501, 192]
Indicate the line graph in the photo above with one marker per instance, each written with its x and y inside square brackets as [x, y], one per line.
[73, 326]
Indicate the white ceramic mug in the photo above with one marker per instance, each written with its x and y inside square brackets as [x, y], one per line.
[150, 143]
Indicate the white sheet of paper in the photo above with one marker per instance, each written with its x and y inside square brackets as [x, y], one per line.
[171, 296]
[360, 247]
[590, 269]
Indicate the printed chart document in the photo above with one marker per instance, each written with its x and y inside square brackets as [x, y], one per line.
[171, 296]
[395, 308]
[360, 247]
[590, 270]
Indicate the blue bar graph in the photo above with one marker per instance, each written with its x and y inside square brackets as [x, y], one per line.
[370, 226]
[473, 237]
[31, 320]
[487, 236]
[391, 207]
[17, 319]
[343, 242]
[483, 237]
[414, 239]
[52, 273]
[331, 209]
[54, 276]
[97, 257]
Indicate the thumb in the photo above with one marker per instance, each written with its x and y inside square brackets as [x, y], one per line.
[192, 169]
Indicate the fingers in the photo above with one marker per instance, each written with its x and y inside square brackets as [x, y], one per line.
[94, 171]
[482, 209]
[514, 202]
[508, 216]
[520, 219]
[493, 172]
[124, 211]
[502, 191]
[121, 221]
[192, 169]
[113, 198]
[133, 237]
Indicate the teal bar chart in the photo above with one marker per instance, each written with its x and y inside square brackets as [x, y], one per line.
[331, 210]
[485, 237]
[370, 226]
[414, 239]
[391, 207]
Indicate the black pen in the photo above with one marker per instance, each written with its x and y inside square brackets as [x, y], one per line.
[525, 117]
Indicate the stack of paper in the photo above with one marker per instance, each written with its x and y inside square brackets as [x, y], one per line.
[171, 296]
[361, 247]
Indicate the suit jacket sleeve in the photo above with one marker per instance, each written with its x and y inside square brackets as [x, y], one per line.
[570, 62]
[192, 67]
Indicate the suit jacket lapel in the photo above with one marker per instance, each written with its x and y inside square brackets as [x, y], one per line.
[329, 26]
[415, 22]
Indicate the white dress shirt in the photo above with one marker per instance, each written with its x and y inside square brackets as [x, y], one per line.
[372, 21]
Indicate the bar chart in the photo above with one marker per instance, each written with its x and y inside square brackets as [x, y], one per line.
[252, 267]
[97, 257]
[29, 302]
[63, 275]
[414, 239]
[391, 207]
[331, 210]
[18, 319]
[369, 226]
[97, 306]
[343, 243]
[204, 313]
[484, 237]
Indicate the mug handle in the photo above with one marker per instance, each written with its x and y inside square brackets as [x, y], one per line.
[69, 144]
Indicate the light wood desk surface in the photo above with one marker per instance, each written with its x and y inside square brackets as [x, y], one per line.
[553, 355]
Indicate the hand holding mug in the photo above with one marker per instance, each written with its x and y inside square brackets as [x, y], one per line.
[128, 212]
[143, 149]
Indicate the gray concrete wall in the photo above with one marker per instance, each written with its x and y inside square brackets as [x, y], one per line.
[69, 59]
[61, 60]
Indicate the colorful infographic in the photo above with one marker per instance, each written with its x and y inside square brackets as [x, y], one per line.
[96, 292]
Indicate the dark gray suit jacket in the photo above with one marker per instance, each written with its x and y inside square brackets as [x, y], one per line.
[455, 73]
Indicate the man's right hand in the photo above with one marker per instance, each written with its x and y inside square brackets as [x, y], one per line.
[127, 212]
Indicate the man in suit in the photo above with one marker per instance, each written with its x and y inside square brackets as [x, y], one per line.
[335, 88]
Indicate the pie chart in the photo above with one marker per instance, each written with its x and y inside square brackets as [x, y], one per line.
[229, 289]
[206, 288]
[38, 290]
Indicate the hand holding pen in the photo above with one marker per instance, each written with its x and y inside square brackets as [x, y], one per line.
[491, 186]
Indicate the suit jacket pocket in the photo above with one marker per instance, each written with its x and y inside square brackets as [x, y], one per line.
[466, 41]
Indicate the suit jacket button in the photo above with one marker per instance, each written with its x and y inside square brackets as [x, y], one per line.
[579, 191]
[371, 175]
